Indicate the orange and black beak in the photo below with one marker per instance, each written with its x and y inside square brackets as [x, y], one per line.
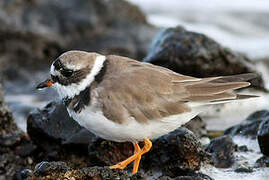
[47, 83]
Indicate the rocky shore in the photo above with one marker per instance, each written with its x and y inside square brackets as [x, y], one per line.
[56, 147]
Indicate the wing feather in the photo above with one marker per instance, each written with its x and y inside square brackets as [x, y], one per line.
[148, 92]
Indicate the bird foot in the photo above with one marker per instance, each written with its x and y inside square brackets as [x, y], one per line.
[118, 166]
[136, 157]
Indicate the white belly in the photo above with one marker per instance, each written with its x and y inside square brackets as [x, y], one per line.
[131, 130]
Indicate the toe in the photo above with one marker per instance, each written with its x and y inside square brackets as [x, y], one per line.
[117, 166]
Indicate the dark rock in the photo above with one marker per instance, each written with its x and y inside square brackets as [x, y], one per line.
[249, 128]
[10, 138]
[59, 170]
[83, 136]
[197, 55]
[105, 153]
[45, 168]
[243, 169]
[262, 162]
[40, 31]
[10, 163]
[51, 127]
[242, 148]
[197, 126]
[222, 150]
[258, 116]
[177, 153]
[263, 136]
[189, 176]
[25, 150]
[26, 173]
[7, 124]
[174, 154]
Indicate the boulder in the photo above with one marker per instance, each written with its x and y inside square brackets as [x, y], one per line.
[52, 127]
[7, 124]
[262, 162]
[249, 128]
[222, 150]
[243, 169]
[38, 31]
[197, 126]
[263, 136]
[14, 146]
[197, 55]
[173, 154]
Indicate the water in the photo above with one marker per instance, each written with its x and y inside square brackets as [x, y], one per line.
[247, 158]
[241, 25]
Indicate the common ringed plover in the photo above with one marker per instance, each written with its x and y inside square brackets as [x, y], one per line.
[121, 99]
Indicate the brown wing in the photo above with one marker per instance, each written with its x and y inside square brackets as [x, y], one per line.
[148, 92]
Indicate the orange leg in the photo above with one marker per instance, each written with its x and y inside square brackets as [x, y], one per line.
[137, 161]
[136, 157]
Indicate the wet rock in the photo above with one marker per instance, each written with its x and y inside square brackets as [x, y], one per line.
[222, 150]
[262, 162]
[258, 115]
[242, 148]
[11, 138]
[59, 170]
[11, 163]
[7, 124]
[190, 176]
[177, 152]
[45, 168]
[243, 169]
[197, 55]
[197, 126]
[263, 136]
[41, 30]
[25, 173]
[25, 149]
[249, 128]
[51, 127]
[174, 154]
[105, 153]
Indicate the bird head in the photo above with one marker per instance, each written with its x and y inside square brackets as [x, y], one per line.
[72, 72]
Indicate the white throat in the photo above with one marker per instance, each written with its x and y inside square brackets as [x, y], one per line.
[74, 89]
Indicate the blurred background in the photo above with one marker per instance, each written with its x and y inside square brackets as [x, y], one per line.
[198, 38]
[241, 25]
[33, 33]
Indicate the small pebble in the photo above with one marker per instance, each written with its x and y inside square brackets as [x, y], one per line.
[25, 173]
[30, 160]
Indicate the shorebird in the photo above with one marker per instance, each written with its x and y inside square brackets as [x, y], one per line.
[121, 99]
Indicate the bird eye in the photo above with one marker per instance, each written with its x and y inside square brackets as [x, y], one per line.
[67, 72]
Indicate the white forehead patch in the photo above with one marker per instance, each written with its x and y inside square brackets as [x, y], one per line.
[73, 67]
[52, 70]
[74, 89]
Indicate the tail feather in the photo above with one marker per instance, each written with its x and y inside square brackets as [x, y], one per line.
[210, 88]
[216, 90]
[235, 78]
